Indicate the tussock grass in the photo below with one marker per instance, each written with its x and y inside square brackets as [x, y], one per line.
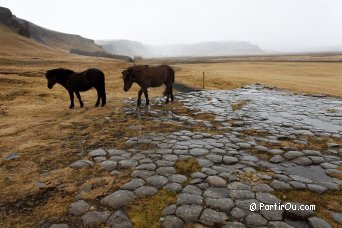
[239, 105]
[313, 143]
[333, 110]
[187, 167]
[261, 155]
[145, 212]
[337, 175]
[255, 133]
[331, 200]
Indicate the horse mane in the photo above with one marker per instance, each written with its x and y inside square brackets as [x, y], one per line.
[60, 72]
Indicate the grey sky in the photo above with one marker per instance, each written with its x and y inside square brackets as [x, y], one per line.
[285, 25]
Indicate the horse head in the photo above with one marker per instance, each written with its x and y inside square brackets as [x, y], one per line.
[128, 76]
[51, 77]
[56, 75]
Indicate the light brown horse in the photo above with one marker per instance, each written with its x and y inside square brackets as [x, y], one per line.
[149, 76]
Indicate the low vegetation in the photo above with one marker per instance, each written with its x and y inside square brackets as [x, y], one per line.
[100, 54]
[313, 143]
[331, 200]
[255, 133]
[254, 177]
[187, 166]
[333, 110]
[260, 154]
[337, 175]
[145, 212]
[239, 105]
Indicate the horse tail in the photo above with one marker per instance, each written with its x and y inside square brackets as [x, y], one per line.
[171, 74]
[103, 88]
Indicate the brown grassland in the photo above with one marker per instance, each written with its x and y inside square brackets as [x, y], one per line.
[36, 124]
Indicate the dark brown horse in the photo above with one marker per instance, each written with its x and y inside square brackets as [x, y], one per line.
[149, 76]
[78, 82]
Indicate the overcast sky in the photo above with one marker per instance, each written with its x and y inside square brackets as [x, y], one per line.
[284, 25]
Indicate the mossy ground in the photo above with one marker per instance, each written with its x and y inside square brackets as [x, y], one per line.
[239, 105]
[145, 212]
[187, 166]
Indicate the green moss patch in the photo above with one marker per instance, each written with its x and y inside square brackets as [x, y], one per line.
[187, 167]
[145, 212]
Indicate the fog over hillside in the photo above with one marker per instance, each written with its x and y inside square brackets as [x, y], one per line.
[214, 48]
[283, 26]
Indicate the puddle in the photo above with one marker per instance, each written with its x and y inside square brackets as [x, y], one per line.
[313, 172]
[302, 119]
[273, 106]
[321, 124]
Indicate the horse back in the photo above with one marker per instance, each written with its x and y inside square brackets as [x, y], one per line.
[168, 73]
[161, 74]
[94, 75]
[87, 79]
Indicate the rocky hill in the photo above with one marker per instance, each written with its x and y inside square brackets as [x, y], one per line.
[13, 44]
[62, 41]
[8, 19]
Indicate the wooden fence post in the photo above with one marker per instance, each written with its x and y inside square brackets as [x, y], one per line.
[203, 81]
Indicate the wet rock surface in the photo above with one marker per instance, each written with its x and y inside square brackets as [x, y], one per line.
[245, 163]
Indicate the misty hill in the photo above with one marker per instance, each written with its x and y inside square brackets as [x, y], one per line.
[62, 41]
[125, 47]
[224, 48]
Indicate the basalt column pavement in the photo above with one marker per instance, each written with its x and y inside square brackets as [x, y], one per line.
[246, 163]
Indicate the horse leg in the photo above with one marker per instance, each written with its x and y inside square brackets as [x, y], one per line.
[71, 94]
[79, 98]
[139, 97]
[167, 98]
[171, 93]
[103, 97]
[167, 91]
[146, 97]
[98, 98]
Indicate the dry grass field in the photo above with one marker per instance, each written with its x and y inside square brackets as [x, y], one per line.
[36, 123]
[303, 74]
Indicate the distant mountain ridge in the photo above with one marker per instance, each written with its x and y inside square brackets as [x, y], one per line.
[59, 40]
[214, 48]
[125, 47]
[78, 44]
